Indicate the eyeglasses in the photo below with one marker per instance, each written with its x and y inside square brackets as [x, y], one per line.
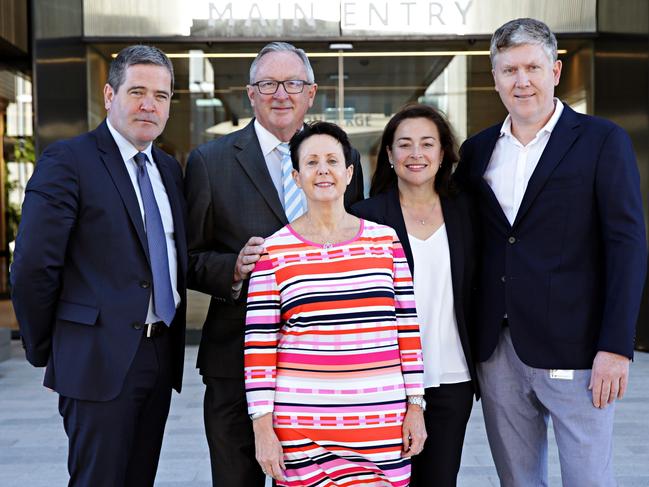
[291, 86]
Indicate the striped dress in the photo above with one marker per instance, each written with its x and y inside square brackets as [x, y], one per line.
[332, 349]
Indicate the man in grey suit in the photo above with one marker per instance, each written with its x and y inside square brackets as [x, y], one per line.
[238, 191]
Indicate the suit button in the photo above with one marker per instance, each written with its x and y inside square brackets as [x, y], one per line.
[511, 240]
[137, 326]
[503, 278]
[145, 284]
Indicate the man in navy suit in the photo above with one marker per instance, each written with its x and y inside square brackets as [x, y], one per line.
[98, 279]
[564, 257]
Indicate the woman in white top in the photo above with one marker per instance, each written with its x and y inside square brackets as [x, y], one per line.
[413, 192]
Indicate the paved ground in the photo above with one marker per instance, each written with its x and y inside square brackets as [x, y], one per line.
[33, 444]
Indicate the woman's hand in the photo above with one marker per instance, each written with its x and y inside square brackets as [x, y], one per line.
[268, 449]
[413, 431]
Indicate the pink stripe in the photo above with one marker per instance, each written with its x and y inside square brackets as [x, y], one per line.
[256, 320]
[303, 390]
[366, 358]
[340, 409]
[322, 345]
[263, 265]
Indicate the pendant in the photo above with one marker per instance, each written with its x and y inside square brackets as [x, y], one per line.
[327, 245]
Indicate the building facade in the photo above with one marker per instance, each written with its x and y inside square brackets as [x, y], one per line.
[370, 57]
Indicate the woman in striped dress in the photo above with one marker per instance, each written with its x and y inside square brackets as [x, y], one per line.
[333, 362]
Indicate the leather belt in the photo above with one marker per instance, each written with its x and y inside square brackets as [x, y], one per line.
[152, 330]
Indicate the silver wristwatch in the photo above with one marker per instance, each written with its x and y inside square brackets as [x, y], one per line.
[418, 401]
[258, 415]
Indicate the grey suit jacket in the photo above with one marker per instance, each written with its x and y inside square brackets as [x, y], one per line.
[230, 198]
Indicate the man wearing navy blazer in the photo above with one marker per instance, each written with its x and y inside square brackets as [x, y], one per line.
[98, 278]
[563, 263]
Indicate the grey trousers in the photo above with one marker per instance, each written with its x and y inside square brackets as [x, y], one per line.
[518, 400]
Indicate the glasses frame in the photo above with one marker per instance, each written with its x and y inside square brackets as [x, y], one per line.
[304, 83]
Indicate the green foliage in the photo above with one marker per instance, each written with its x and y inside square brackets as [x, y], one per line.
[23, 151]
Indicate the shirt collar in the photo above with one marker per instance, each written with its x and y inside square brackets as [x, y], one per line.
[126, 149]
[506, 129]
[267, 141]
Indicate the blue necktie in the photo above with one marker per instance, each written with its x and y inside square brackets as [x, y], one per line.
[293, 206]
[163, 298]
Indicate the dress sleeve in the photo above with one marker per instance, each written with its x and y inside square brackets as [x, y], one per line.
[261, 337]
[412, 365]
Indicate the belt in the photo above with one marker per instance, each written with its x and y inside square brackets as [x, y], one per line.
[152, 330]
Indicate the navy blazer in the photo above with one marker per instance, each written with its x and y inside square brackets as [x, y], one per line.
[81, 275]
[569, 272]
[385, 208]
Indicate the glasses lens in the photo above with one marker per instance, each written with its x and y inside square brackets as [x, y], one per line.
[293, 86]
[267, 87]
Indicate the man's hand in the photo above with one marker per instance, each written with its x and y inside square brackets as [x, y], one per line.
[609, 377]
[247, 258]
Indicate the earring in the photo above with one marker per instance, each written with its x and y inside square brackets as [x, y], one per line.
[391, 165]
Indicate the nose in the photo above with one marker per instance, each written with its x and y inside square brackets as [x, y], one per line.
[147, 104]
[281, 92]
[522, 79]
[323, 167]
[416, 152]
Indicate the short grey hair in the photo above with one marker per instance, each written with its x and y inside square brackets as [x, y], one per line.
[523, 31]
[282, 47]
[137, 54]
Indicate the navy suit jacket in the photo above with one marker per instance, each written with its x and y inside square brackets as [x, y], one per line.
[569, 272]
[385, 208]
[81, 278]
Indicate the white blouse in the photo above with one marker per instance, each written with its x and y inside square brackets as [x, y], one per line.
[444, 361]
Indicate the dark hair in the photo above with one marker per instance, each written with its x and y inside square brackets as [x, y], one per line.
[137, 54]
[320, 128]
[523, 31]
[384, 176]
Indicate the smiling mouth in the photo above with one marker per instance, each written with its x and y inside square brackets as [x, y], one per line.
[324, 185]
[416, 166]
[524, 97]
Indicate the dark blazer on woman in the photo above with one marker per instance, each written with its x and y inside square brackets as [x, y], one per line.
[385, 208]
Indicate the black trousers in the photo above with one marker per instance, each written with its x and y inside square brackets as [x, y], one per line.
[229, 434]
[448, 408]
[117, 443]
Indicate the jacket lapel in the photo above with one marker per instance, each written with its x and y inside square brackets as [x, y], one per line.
[175, 201]
[112, 159]
[483, 186]
[454, 232]
[394, 218]
[564, 134]
[253, 163]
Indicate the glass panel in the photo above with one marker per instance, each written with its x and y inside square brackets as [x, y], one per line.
[378, 79]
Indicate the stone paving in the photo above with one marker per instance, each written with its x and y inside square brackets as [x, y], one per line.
[33, 444]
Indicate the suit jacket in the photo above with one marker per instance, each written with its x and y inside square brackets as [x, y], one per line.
[81, 278]
[231, 197]
[385, 208]
[570, 270]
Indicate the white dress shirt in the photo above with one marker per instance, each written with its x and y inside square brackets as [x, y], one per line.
[512, 164]
[128, 151]
[444, 361]
[268, 143]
